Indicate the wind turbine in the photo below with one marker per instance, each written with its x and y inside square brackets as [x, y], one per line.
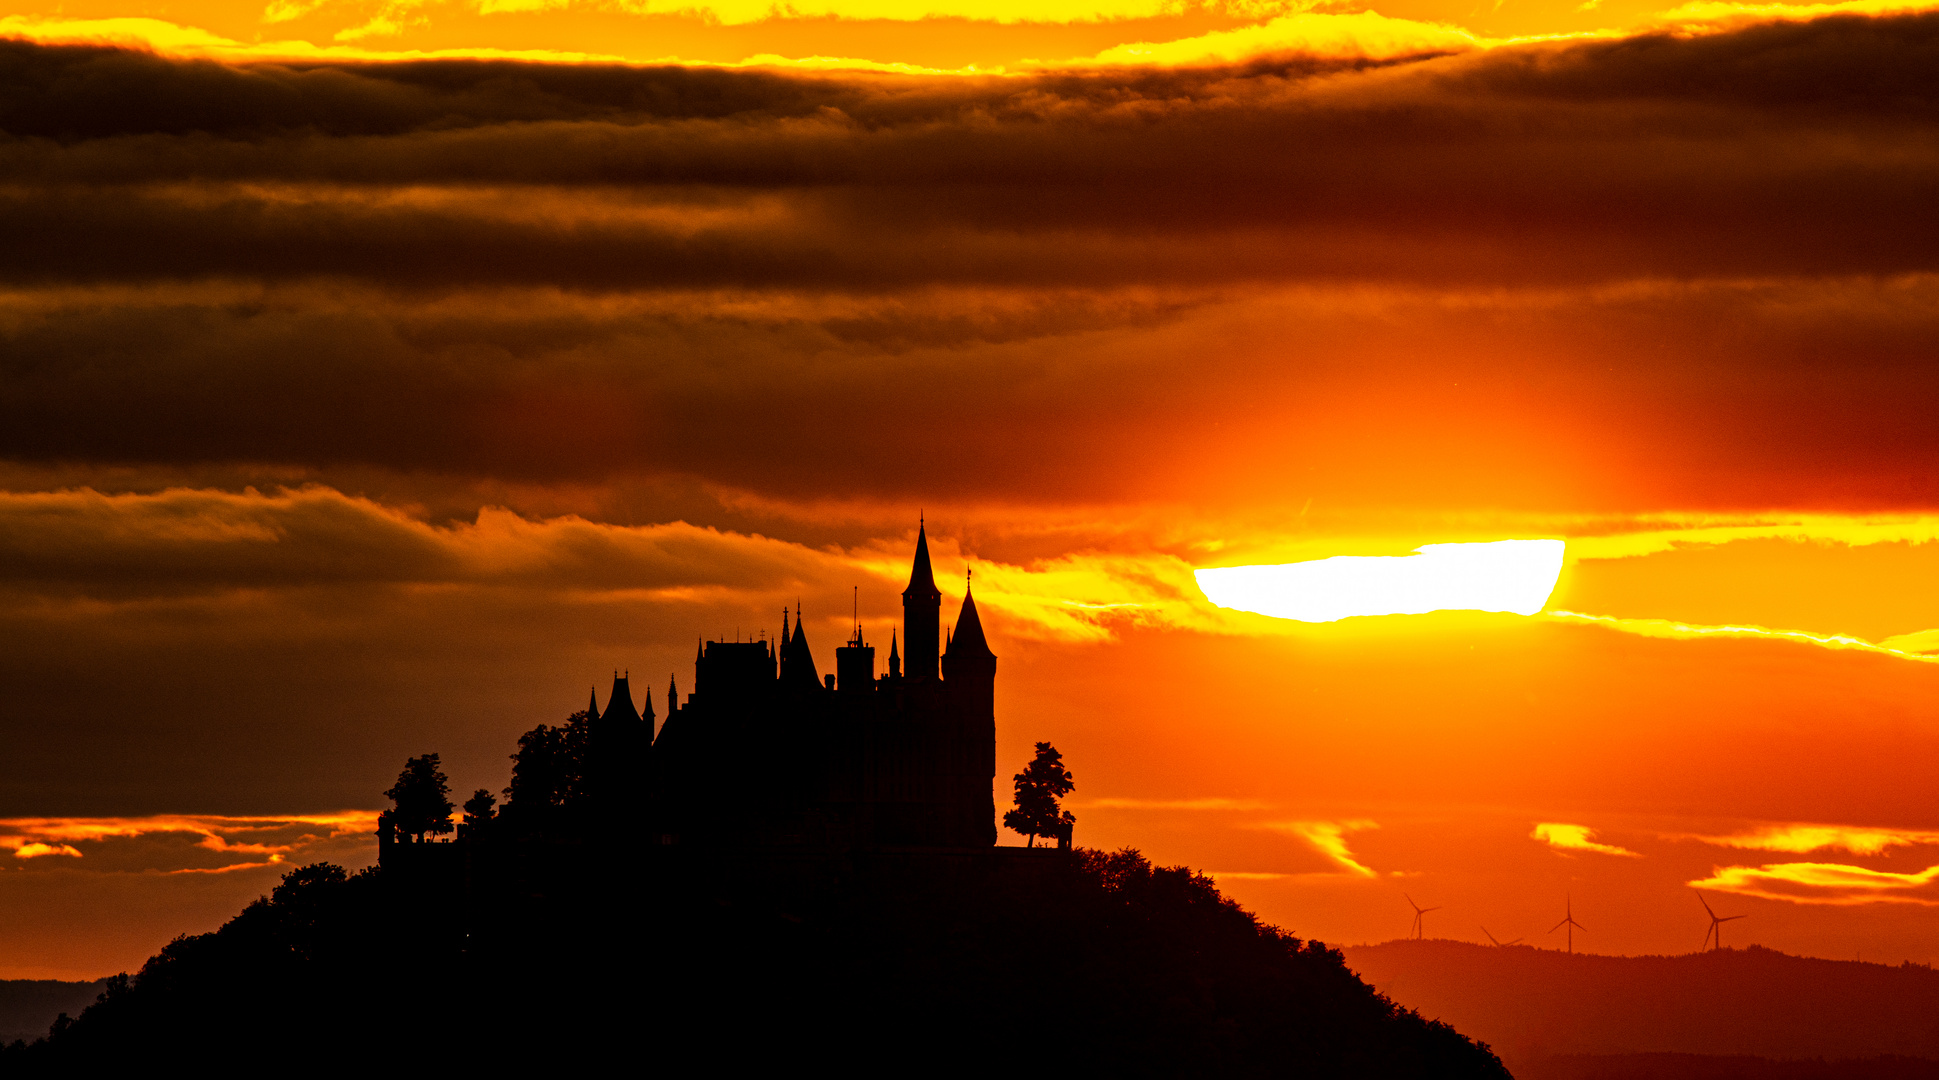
[1568, 920]
[1499, 944]
[1716, 925]
[1418, 912]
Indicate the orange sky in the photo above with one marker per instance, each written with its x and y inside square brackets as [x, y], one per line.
[354, 410]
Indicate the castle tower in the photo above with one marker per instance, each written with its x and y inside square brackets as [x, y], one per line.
[922, 611]
[969, 677]
[798, 662]
[855, 664]
[619, 706]
[969, 667]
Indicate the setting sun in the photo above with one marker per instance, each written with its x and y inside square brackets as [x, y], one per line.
[1506, 575]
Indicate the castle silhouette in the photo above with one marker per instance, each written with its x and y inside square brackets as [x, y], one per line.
[765, 752]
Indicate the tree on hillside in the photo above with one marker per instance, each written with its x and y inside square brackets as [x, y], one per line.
[478, 813]
[1039, 786]
[553, 768]
[423, 798]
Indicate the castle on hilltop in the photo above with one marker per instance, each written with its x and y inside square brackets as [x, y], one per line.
[765, 752]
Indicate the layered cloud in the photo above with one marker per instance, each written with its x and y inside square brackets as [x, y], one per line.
[187, 843]
[571, 273]
[197, 544]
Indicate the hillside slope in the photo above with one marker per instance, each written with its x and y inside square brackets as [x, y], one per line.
[941, 963]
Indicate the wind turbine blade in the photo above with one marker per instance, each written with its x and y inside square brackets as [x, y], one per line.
[1517, 941]
[1727, 918]
[1558, 926]
[1706, 905]
[1425, 910]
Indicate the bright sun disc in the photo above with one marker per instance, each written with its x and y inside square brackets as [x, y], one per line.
[1506, 575]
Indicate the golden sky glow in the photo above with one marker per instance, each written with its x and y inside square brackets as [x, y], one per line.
[354, 410]
[949, 35]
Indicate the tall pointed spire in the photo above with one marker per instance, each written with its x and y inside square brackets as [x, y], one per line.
[593, 706]
[646, 710]
[922, 612]
[673, 696]
[895, 658]
[921, 575]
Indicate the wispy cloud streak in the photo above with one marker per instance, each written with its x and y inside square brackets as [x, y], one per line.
[1566, 838]
[1681, 631]
[1826, 883]
[1329, 838]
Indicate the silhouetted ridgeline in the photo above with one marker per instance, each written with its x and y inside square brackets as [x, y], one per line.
[1533, 1005]
[1096, 963]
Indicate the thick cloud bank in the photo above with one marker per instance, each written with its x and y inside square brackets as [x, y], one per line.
[1654, 271]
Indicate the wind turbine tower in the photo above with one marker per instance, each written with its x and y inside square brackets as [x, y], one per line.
[1568, 920]
[1418, 912]
[1716, 930]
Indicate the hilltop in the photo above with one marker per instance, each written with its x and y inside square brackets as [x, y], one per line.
[1532, 1003]
[938, 963]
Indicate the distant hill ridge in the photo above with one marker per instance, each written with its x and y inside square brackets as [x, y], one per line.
[1536, 1003]
[28, 1006]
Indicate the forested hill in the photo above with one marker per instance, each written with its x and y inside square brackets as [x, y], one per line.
[1530, 1003]
[1038, 963]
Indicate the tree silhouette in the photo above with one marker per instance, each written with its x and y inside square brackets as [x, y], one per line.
[1039, 786]
[478, 813]
[541, 772]
[423, 798]
[554, 768]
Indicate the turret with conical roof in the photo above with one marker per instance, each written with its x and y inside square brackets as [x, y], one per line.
[968, 639]
[797, 662]
[969, 675]
[619, 706]
[922, 606]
